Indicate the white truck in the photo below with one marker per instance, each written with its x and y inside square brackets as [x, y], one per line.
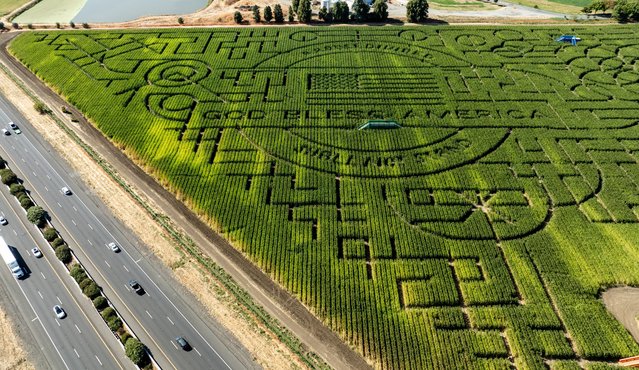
[10, 259]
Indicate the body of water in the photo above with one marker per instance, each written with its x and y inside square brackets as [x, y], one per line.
[127, 10]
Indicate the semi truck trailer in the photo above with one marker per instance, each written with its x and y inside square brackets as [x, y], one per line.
[10, 259]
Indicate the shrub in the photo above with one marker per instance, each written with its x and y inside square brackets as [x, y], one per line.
[124, 337]
[237, 17]
[1, 26]
[85, 25]
[256, 14]
[291, 14]
[304, 11]
[57, 25]
[16, 188]
[7, 176]
[15, 25]
[30, 26]
[26, 202]
[50, 234]
[268, 14]
[57, 242]
[136, 352]
[41, 108]
[77, 273]
[107, 313]
[36, 215]
[100, 303]
[92, 290]
[278, 14]
[114, 323]
[180, 20]
[72, 24]
[63, 253]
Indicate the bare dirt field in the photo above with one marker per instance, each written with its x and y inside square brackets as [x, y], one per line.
[623, 304]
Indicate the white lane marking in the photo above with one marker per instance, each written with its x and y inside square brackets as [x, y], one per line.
[127, 270]
[23, 160]
[57, 322]
[45, 188]
[34, 174]
[44, 277]
[72, 220]
[40, 294]
[147, 312]
[15, 232]
[90, 242]
[76, 353]
[34, 319]
[171, 321]
[59, 299]
[59, 205]
[96, 357]
[90, 227]
[173, 344]
[48, 177]
[79, 331]
[75, 209]
[198, 352]
[107, 264]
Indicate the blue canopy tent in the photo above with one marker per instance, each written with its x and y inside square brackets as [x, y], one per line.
[573, 40]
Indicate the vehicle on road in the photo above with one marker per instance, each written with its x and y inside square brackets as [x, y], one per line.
[66, 191]
[183, 343]
[15, 128]
[3, 221]
[36, 252]
[136, 287]
[59, 312]
[114, 247]
[6, 132]
[10, 260]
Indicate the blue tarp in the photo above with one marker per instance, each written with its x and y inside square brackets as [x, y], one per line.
[568, 38]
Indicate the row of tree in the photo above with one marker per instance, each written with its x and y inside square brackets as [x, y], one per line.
[416, 11]
[622, 10]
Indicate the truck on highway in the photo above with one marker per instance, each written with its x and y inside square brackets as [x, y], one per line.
[10, 259]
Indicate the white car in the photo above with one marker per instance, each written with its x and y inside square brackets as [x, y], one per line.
[36, 252]
[3, 221]
[59, 312]
[114, 247]
[15, 128]
[6, 132]
[66, 191]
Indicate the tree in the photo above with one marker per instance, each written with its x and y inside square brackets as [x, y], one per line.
[180, 20]
[72, 24]
[50, 234]
[360, 10]
[36, 215]
[58, 25]
[16, 188]
[295, 5]
[237, 17]
[25, 202]
[92, 290]
[64, 254]
[417, 10]
[57, 242]
[77, 272]
[1, 26]
[380, 10]
[268, 14]
[136, 352]
[114, 323]
[256, 14]
[322, 14]
[340, 11]
[625, 11]
[100, 303]
[304, 11]
[278, 14]
[8, 177]
[291, 14]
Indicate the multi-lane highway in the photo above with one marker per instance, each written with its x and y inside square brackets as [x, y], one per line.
[79, 341]
[160, 314]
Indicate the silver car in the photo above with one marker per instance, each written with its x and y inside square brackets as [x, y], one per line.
[59, 312]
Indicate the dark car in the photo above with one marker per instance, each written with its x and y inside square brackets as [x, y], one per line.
[183, 343]
[136, 287]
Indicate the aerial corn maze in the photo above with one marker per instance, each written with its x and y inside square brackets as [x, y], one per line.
[478, 234]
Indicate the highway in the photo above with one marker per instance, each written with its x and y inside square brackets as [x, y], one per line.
[80, 340]
[159, 315]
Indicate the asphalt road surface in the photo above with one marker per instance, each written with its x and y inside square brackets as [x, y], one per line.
[78, 341]
[161, 313]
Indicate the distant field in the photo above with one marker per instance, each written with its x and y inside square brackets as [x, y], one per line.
[560, 6]
[7, 6]
[479, 235]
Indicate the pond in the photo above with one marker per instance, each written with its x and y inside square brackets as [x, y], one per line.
[93, 11]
